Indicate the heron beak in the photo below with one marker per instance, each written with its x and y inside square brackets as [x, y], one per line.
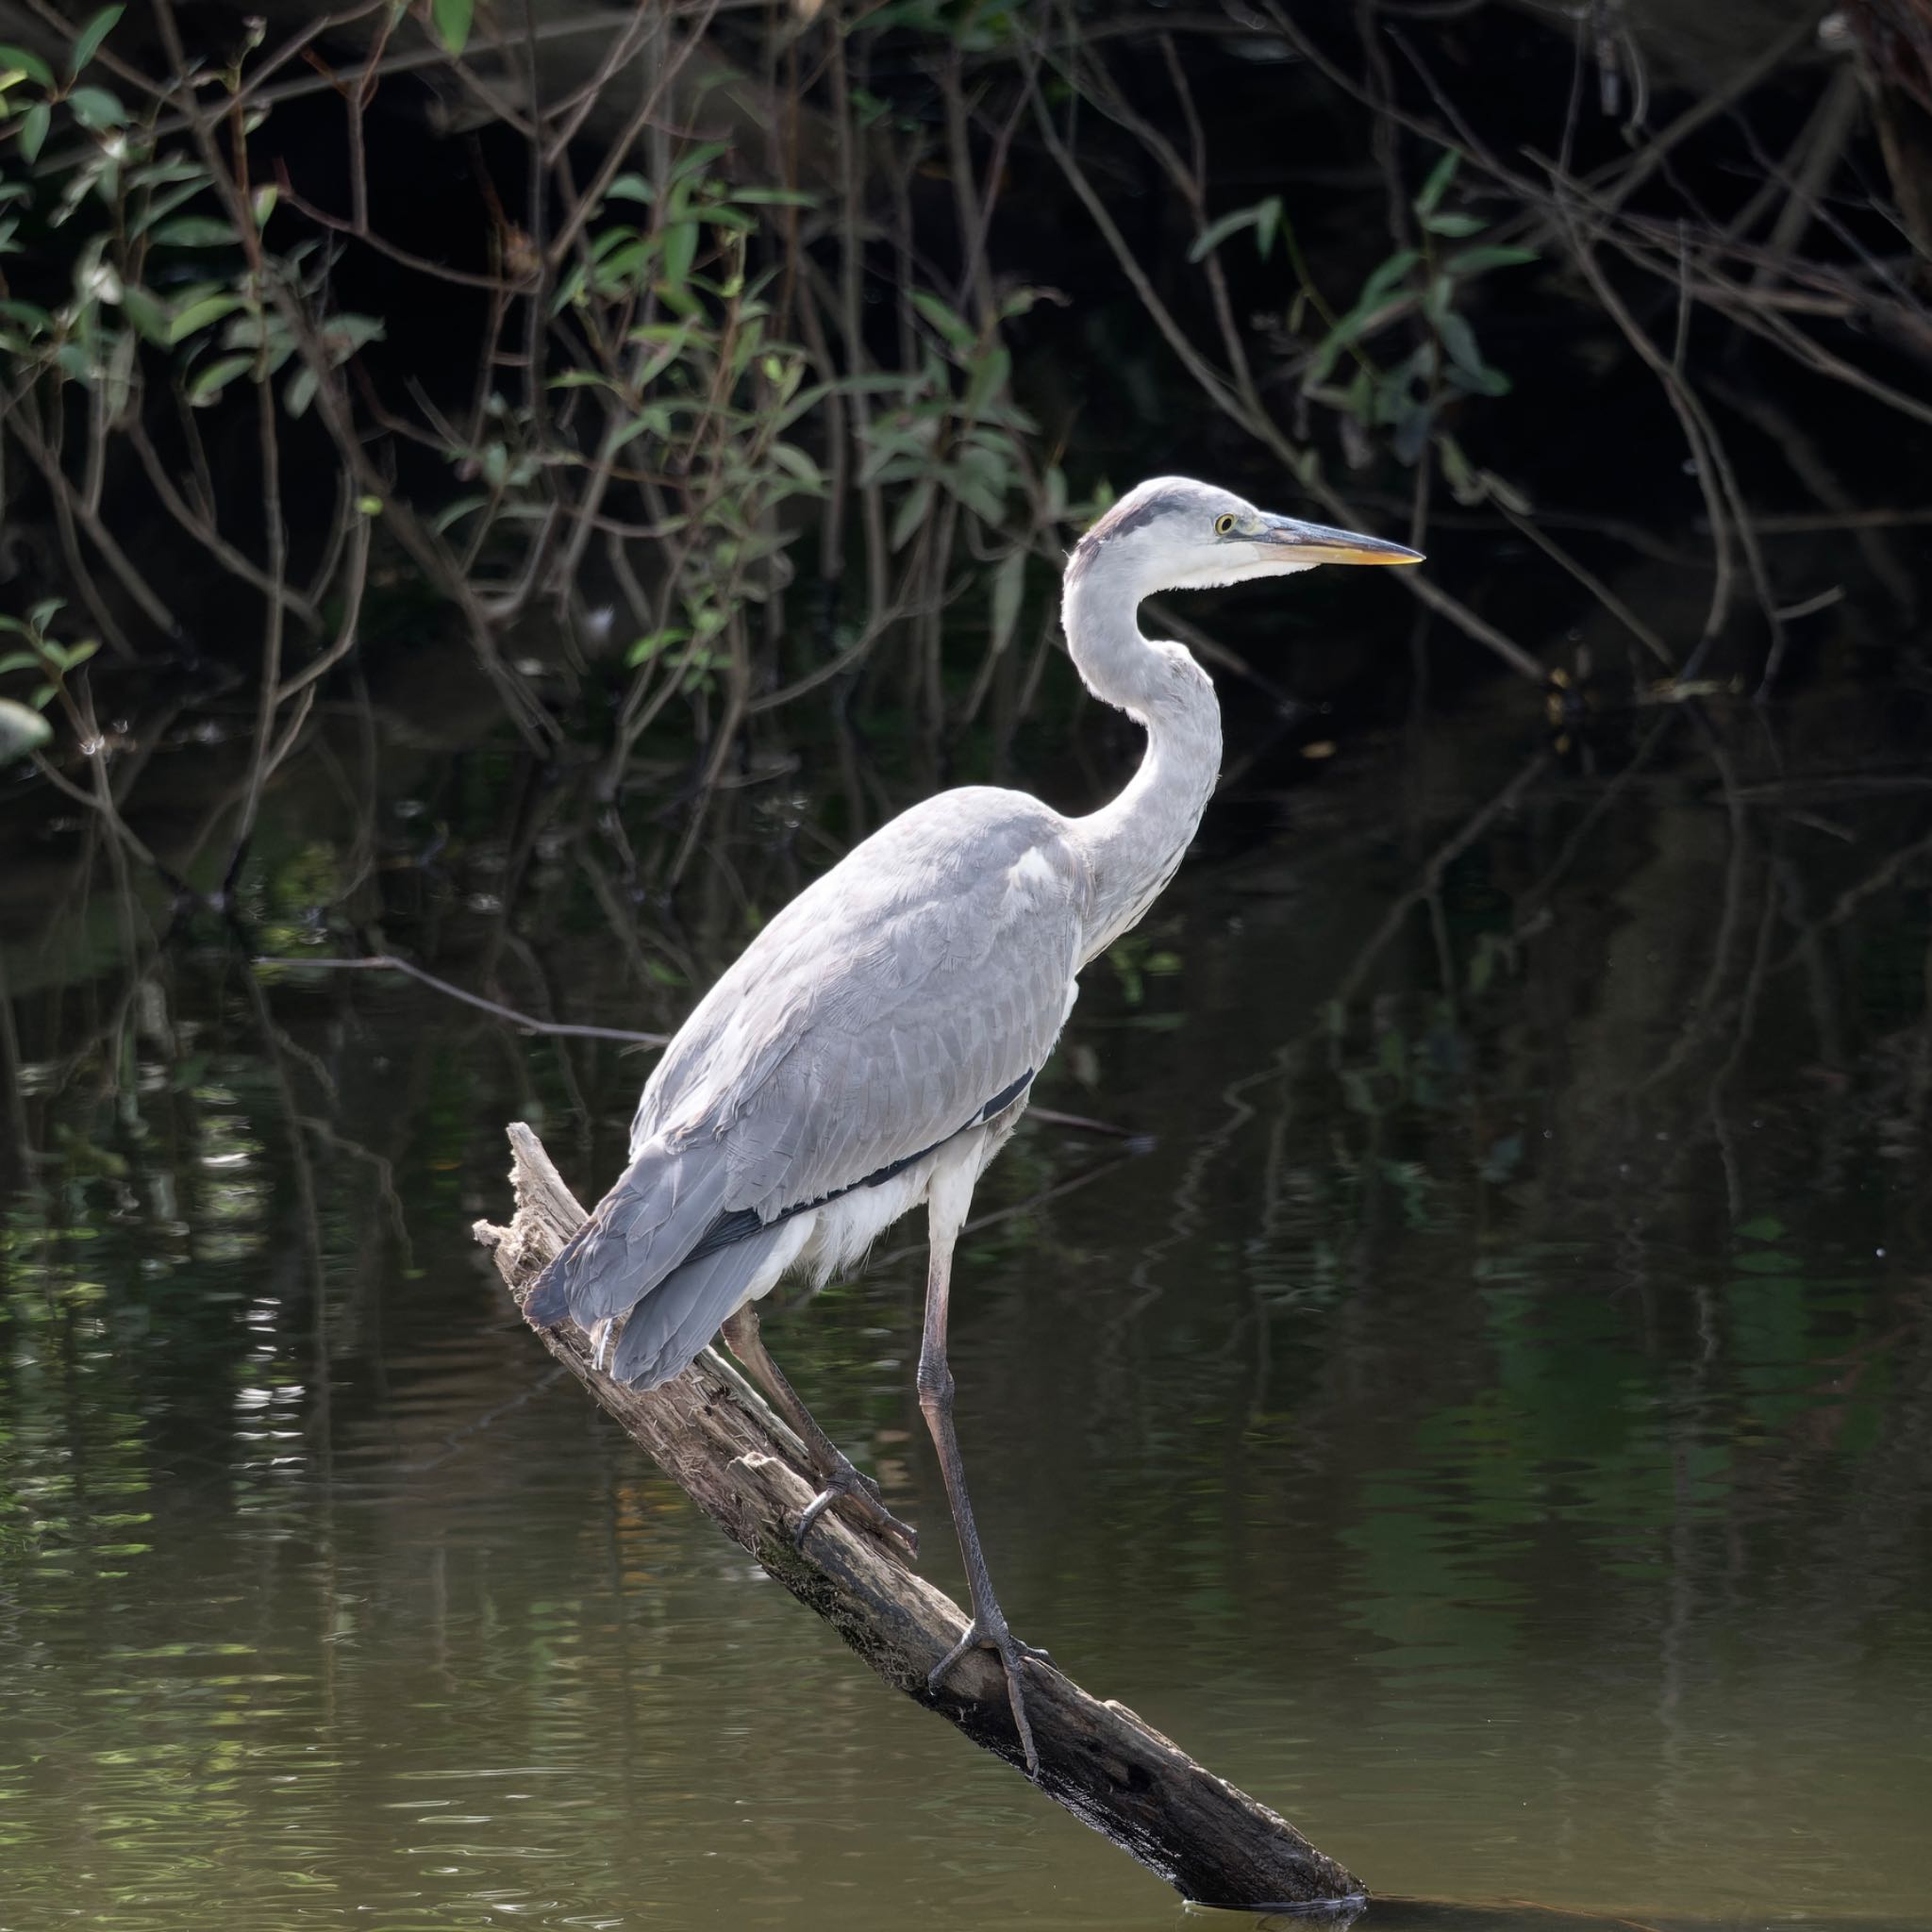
[1318, 544]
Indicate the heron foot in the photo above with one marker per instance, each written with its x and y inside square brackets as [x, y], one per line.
[988, 1631]
[847, 1484]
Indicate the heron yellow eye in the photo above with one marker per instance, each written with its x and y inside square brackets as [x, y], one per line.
[1223, 524]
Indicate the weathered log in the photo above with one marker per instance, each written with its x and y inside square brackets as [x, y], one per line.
[714, 1435]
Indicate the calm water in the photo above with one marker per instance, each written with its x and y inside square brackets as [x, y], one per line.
[1491, 1420]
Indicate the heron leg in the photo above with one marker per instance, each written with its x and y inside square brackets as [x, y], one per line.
[831, 1465]
[950, 1196]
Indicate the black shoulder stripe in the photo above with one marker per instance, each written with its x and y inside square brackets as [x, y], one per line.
[742, 1223]
[734, 1226]
[1002, 1099]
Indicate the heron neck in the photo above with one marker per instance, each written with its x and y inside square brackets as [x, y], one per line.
[1134, 843]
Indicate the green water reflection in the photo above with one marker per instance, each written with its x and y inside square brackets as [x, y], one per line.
[1492, 1421]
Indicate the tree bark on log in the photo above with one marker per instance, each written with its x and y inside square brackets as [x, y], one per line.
[714, 1436]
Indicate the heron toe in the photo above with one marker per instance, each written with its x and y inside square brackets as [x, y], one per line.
[862, 1501]
[990, 1632]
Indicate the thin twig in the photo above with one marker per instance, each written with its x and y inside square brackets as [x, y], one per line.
[388, 962]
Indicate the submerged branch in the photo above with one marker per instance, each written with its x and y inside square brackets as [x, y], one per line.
[716, 1439]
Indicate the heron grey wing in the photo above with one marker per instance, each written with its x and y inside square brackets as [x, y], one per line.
[972, 843]
[870, 1021]
[916, 1019]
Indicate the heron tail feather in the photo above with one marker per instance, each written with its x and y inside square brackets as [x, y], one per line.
[661, 1209]
[676, 1320]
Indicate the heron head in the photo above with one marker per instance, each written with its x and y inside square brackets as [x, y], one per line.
[1171, 533]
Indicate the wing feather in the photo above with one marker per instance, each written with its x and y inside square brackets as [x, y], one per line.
[889, 1004]
[926, 975]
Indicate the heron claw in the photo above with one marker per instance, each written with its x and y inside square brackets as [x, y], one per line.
[990, 1632]
[843, 1483]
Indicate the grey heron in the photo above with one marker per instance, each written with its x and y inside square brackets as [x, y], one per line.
[873, 1046]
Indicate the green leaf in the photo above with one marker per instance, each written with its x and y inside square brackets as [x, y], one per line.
[21, 730]
[300, 390]
[912, 513]
[160, 207]
[1454, 225]
[1008, 584]
[453, 513]
[1438, 184]
[1383, 281]
[1466, 368]
[677, 297]
[149, 315]
[194, 232]
[87, 42]
[1766, 1228]
[643, 649]
[250, 330]
[1475, 262]
[1216, 232]
[173, 168]
[1267, 225]
[343, 335]
[199, 314]
[19, 660]
[773, 197]
[983, 494]
[1375, 290]
[670, 345]
[790, 457]
[95, 107]
[1459, 343]
[987, 381]
[451, 20]
[957, 334]
[33, 130]
[213, 380]
[29, 64]
[1466, 487]
[698, 159]
[680, 251]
